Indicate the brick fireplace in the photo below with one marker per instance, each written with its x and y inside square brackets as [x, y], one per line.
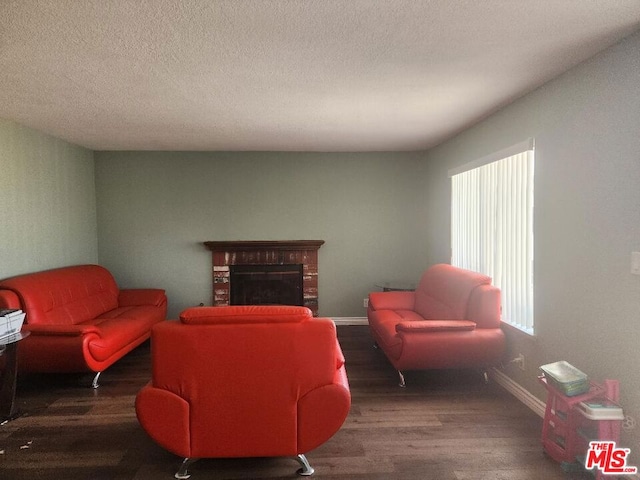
[233, 260]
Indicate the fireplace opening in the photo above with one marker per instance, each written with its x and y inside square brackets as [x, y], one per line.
[266, 285]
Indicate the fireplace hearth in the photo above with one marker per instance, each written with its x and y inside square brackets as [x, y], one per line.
[283, 272]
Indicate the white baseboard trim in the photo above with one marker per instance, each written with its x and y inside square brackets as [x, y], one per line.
[350, 320]
[518, 391]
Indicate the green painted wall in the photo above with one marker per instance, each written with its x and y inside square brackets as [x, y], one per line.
[47, 202]
[586, 220]
[155, 210]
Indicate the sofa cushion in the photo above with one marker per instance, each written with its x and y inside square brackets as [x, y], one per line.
[245, 314]
[393, 300]
[69, 295]
[436, 326]
[384, 322]
[121, 327]
[443, 292]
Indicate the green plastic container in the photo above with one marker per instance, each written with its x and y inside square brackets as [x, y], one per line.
[566, 378]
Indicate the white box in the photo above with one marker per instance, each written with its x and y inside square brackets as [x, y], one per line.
[566, 378]
[11, 324]
[601, 409]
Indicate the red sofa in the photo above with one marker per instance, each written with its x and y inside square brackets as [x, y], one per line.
[244, 381]
[451, 320]
[79, 319]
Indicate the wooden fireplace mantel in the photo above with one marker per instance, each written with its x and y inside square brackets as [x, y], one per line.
[244, 245]
[227, 254]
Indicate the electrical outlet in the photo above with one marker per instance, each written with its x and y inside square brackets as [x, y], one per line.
[635, 263]
[629, 423]
[365, 303]
[519, 360]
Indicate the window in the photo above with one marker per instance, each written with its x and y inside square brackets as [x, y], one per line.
[492, 226]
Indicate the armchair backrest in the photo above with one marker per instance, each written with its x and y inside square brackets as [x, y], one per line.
[446, 292]
[242, 370]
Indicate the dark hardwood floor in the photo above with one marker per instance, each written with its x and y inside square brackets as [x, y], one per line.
[446, 425]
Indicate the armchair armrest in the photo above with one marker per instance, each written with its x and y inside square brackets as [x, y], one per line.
[398, 300]
[62, 330]
[435, 326]
[165, 417]
[141, 296]
[340, 360]
[322, 411]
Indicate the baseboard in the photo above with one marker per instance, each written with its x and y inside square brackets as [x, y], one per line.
[518, 391]
[350, 320]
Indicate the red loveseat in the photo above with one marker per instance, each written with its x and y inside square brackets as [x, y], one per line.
[451, 320]
[244, 381]
[79, 319]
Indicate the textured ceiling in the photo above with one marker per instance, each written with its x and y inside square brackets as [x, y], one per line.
[286, 75]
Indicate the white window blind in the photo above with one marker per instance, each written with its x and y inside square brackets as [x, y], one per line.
[492, 227]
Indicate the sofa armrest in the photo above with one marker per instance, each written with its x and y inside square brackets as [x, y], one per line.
[9, 299]
[62, 330]
[397, 300]
[141, 296]
[436, 326]
[484, 306]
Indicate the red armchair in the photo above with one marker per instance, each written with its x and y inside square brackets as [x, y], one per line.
[244, 381]
[451, 320]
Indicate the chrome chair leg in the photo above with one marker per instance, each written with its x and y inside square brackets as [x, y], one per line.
[306, 469]
[183, 474]
[485, 376]
[94, 383]
[402, 383]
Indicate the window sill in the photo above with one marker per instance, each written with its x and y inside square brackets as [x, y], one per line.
[528, 334]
